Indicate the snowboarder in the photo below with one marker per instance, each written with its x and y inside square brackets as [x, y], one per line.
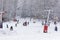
[45, 28]
[56, 29]
[11, 28]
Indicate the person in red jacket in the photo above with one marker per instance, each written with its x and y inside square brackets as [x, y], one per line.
[45, 28]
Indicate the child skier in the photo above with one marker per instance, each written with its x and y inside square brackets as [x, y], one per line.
[11, 28]
[56, 29]
[45, 28]
[25, 24]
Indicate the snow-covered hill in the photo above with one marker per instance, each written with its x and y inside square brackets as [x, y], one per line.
[33, 31]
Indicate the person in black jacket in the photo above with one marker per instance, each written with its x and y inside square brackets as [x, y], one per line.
[11, 28]
[56, 29]
[25, 24]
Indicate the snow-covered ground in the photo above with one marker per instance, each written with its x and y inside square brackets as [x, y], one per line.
[34, 31]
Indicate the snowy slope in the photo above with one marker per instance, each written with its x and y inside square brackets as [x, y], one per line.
[34, 31]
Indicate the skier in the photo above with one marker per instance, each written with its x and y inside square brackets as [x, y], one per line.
[42, 22]
[17, 21]
[45, 28]
[28, 22]
[25, 24]
[56, 29]
[1, 26]
[7, 25]
[49, 24]
[45, 21]
[55, 23]
[11, 28]
[34, 22]
[16, 24]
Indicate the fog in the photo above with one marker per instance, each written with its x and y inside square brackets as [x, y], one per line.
[30, 8]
